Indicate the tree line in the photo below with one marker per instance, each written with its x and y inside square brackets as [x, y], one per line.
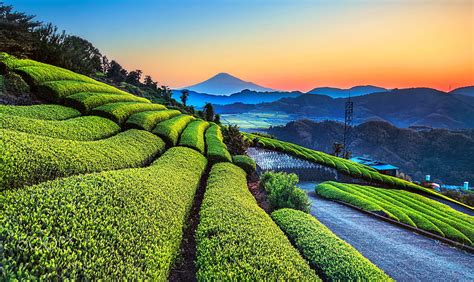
[24, 37]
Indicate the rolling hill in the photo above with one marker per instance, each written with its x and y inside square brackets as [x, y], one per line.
[466, 91]
[343, 93]
[401, 107]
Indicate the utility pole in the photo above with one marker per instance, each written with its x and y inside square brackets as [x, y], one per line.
[347, 124]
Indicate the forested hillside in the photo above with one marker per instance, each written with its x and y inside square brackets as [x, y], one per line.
[444, 154]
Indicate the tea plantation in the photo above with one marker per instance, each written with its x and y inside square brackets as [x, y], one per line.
[102, 185]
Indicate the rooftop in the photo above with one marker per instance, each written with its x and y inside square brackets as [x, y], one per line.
[378, 165]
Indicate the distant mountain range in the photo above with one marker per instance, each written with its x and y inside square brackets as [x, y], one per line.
[225, 84]
[445, 155]
[343, 93]
[467, 91]
[401, 107]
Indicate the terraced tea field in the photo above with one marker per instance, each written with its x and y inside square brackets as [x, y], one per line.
[102, 185]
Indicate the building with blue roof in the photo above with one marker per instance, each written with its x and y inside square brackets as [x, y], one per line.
[381, 167]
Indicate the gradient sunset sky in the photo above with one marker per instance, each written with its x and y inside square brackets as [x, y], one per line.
[287, 45]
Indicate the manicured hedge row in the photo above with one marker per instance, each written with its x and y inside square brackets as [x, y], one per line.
[170, 129]
[237, 240]
[46, 112]
[57, 91]
[85, 128]
[8, 62]
[121, 111]
[345, 166]
[34, 75]
[333, 259]
[114, 225]
[86, 101]
[405, 207]
[216, 149]
[244, 162]
[193, 136]
[27, 159]
[149, 119]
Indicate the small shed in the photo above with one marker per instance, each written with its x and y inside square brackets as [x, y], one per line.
[381, 167]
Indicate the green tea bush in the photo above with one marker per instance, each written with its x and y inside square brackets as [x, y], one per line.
[333, 259]
[193, 136]
[406, 207]
[9, 62]
[345, 166]
[34, 75]
[57, 91]
[46, 112]
[85, 128]
[237, 240]
[121, 111]
[170, 129]
[244, 162]
[282, 191]
[87, 101]
[114, 225]
[216, 150]
[149, 119]
[27, 159]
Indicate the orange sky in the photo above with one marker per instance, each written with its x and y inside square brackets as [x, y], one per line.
[313, 43]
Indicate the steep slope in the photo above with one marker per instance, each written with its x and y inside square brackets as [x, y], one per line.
[225, 84]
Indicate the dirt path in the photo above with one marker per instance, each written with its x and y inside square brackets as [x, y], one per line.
[404, 255]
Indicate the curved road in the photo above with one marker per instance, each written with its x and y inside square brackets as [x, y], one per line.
[402, 254]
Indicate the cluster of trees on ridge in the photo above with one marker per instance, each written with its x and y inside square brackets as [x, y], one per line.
[24, 37]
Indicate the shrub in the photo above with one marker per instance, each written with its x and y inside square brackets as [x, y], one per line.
[121, 111]
[27, 159]
[85, 128]
[193, 135]
[114, 225]
[334, 259]
[57, 91]
[244, 162]
[46, 112]
[406, 207]
[237, 240]
[149, 119]
[282, 191]
[170, 129]
[216, 150]
[34, 75]
[87, 101]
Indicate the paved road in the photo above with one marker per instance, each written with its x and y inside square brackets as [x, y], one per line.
[402, 254]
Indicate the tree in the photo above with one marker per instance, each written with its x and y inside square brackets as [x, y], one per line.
[148, 82]
[115, 72]
[217, 119]
[134, 77]
[16, 37]
[166, 93]
[337, 148]
[81, 55]
[234, 140]
[208, 112]
[184, 96]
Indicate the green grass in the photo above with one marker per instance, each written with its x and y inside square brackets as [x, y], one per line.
[244, 162]
[216, 150]
[84, 128]
[193, 136]
[149, 119]
[57, 91]
[171, 129]
[345, 166]
[333, 259]
[115, 225]
[406, 207]
[121, 111]
[46, 112]
[27, 159]
[87, 101]
[237, 240]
